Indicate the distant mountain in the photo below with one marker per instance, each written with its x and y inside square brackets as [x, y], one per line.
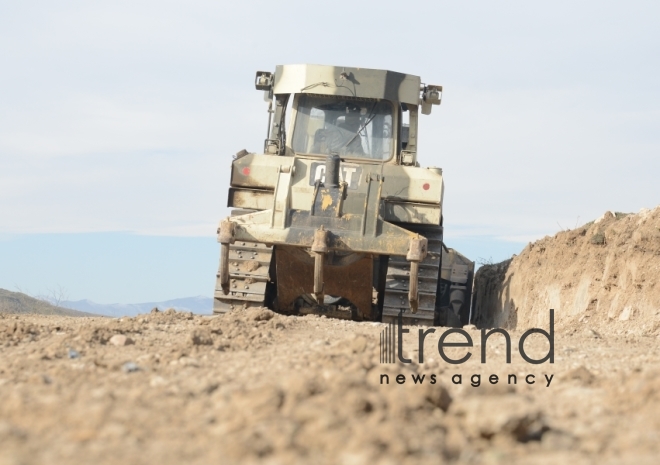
[17, 302]
[200, 304]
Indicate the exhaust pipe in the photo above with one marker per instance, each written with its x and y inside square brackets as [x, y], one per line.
[332, 171]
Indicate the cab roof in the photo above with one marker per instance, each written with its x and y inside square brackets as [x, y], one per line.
[347, 82]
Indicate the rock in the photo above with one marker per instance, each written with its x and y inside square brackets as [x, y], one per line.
[157, 381]
[510, 416]
[263, 315]
[73, 353]
[358, 344]
[627, 313]
[130, 367]
[200, 337]
[40, 379]
[188, 362]
[558, 440]
[121, 340]
[580, 374]
[438, 396]
[608, 215]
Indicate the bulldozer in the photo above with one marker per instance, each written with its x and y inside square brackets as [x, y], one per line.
[335, 216]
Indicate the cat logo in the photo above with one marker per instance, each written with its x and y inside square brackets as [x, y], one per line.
[350, 174]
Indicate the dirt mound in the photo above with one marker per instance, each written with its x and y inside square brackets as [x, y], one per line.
[257, 387]
[602, 276]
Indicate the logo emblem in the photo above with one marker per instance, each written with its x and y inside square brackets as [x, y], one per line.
[350, 174]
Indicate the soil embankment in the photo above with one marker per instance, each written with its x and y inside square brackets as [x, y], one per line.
[604, 276]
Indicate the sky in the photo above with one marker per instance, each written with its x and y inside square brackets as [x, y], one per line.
[118, 121]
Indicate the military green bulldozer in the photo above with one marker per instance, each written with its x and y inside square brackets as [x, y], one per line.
[335, 216]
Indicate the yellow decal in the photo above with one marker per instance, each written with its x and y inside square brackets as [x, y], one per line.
[326, 201]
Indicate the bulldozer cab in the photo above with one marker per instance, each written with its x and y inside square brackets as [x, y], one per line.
[355, 113]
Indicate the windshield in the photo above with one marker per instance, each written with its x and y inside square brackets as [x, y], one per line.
[350, 127]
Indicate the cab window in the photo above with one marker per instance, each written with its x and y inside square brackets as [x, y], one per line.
[358, 128]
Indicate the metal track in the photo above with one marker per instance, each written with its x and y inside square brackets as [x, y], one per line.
[398, 283]
[249, 265]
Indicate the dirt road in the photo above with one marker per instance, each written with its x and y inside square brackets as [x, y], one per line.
[259, 387]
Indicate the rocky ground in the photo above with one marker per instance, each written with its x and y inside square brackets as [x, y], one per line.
[255, 387]
[258, 387]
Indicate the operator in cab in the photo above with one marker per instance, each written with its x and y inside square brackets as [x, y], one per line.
[342, 135]
[347, 127]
